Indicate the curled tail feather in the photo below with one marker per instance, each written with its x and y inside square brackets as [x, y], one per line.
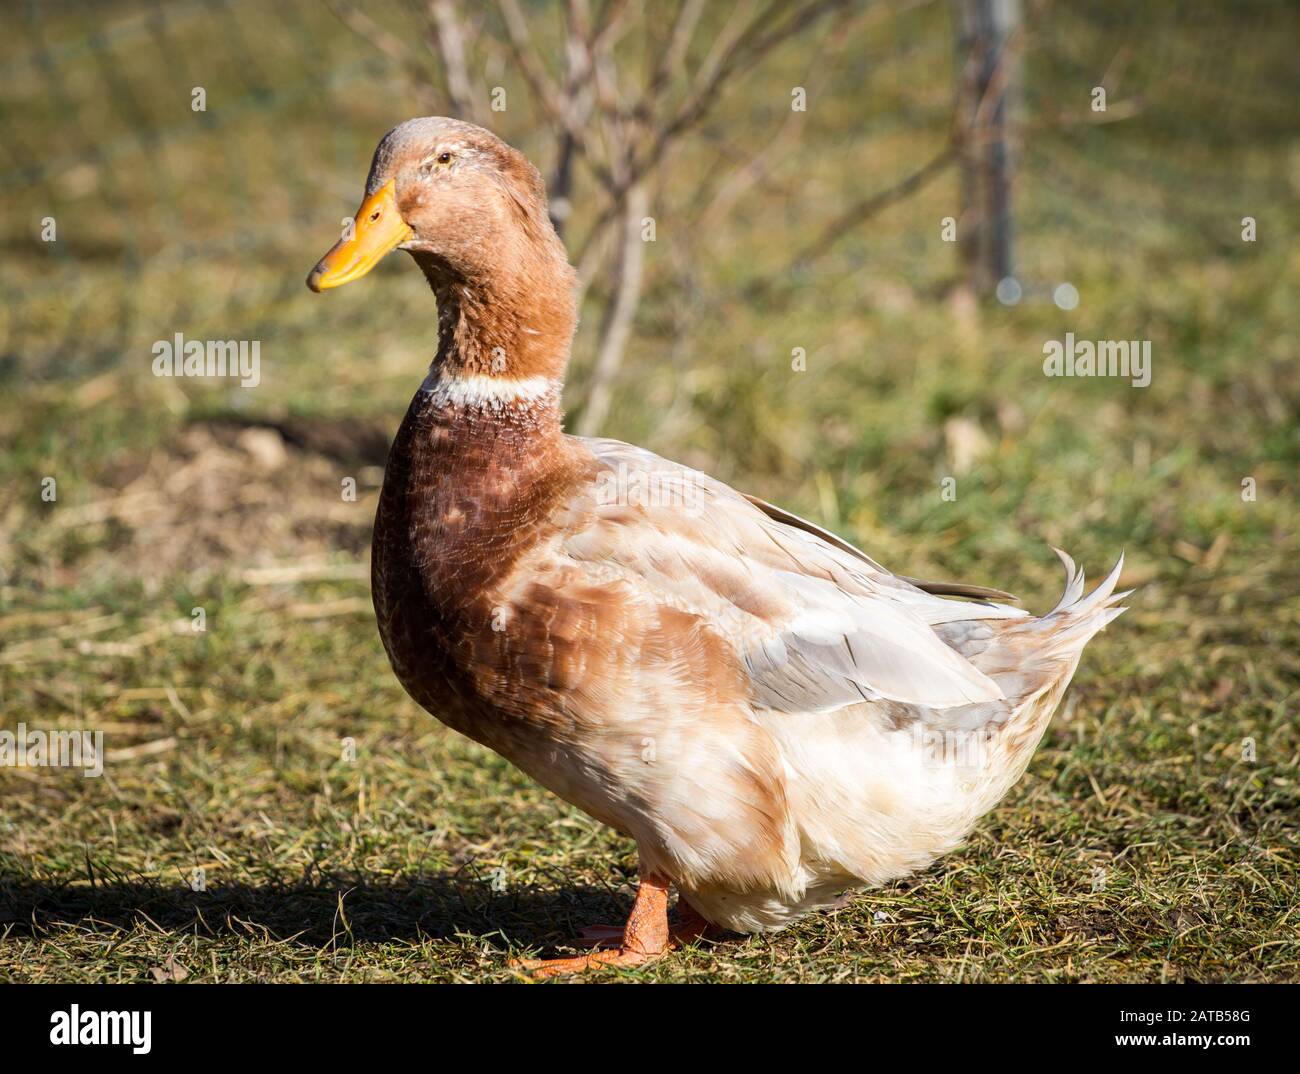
[1077, 618]
[1038, 658]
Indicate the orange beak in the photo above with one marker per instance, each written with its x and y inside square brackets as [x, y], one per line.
[377, 228]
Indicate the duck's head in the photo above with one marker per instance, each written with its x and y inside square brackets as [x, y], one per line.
[457, 197]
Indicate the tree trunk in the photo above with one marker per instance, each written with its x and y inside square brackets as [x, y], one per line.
[985, 94]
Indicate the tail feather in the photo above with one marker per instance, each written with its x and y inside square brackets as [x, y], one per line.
[1103, 593]
[1077, 618]
[1073, 582]
[1111, 614]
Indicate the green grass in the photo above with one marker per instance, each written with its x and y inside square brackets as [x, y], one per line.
[1142, 844]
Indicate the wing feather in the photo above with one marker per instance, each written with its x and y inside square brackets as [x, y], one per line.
[816, 624]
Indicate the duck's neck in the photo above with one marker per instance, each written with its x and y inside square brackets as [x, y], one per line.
[503, 341]
[480, 460]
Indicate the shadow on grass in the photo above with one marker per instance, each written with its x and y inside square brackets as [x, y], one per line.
[322, 911]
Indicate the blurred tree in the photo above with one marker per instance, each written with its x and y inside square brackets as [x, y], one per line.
[989, 37]
[617, 121]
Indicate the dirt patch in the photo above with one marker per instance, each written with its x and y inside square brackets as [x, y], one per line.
[218, 498]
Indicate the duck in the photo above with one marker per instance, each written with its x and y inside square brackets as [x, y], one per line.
[775, 719]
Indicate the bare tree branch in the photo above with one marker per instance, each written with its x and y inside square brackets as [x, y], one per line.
[618, 321]
[869, 207]
[544, 88]
[673, 60]
[763, 161]
[391, 46]
[736, 43]
[451, 47]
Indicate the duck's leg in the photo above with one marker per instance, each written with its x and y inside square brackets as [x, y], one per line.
[645, 936]
[691, 926]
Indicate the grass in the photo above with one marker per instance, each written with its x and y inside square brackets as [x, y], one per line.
[1154, 837]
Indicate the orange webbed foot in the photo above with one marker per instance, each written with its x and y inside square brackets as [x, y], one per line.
[646, 936]
[556, 967]
[603, 936]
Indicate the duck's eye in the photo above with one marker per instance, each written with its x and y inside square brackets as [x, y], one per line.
[439, 161]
